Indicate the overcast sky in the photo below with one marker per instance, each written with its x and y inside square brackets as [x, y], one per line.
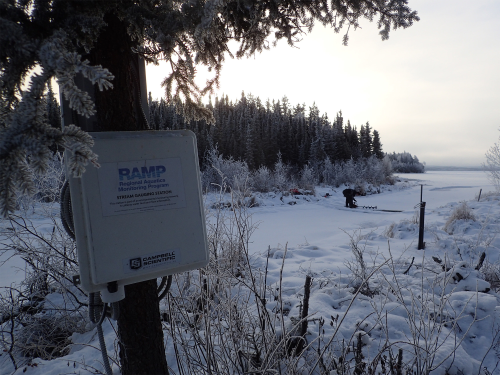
[432, 90]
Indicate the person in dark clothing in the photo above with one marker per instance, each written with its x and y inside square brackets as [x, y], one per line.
[349, 195]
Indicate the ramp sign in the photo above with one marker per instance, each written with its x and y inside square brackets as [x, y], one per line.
[140, 215]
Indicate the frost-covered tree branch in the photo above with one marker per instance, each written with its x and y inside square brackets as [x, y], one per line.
[492, 165]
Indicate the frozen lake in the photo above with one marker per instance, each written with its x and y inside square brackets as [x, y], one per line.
[325, 221]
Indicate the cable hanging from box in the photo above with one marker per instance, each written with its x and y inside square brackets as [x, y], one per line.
[93, 315]
[66, 211]
[164, 280]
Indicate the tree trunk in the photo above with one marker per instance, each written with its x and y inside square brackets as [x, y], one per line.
[142, 349]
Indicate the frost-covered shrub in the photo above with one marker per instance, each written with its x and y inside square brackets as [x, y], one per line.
[236, 175]
[307, 178]
[491, 273]
[461, 212]
[389, 231]
[405, 163]
[374, 171]
[328, 172]
[46, 308]
[262, 179]
[349, 172]
[492, 165]
[489, 195]
[47, 336]
[226, 173]
[47, 185]
[281, 181]
[387, 165]
[356, 172]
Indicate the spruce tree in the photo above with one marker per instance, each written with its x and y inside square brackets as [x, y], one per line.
[377, 146]
[365, 140]
[340, 149]
[53, 110]
[352, 141]
[249, 143]
[53, 114]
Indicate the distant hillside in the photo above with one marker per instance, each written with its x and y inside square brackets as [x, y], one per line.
[449, 168]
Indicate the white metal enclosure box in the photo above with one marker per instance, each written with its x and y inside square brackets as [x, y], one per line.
[140, 215]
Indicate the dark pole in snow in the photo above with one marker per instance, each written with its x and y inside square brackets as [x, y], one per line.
[478, 198]
[421, 243]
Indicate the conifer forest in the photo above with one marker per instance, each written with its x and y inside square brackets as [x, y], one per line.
[253, 139]
[256, 132]
[257, 140]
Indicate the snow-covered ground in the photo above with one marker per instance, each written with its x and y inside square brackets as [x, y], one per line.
[426, 306]
[317, 236]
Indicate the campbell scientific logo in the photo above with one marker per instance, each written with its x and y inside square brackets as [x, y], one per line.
[135, 263]
[150, 262]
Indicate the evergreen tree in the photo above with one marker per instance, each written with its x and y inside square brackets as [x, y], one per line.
[249, 144]
[340, 149]
[365, 140]
[53, 114]
[316, 153]
[53, 110]
[353, 147]
[377, 146]
[328, 172]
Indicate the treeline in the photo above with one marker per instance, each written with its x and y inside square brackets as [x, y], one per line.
[264, 134]
[254, 139]
[405, 163]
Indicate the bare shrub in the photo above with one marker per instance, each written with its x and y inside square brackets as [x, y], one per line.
[37, 327]
[47, 186]
[219, 317]
[359, 266]
[461, 212]
[415, 219]
[48, 251]
[492, 165]
[488, 195]
[229, 319]
[389, 231]
[47, 336]
[433, 316]
[491, 273]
